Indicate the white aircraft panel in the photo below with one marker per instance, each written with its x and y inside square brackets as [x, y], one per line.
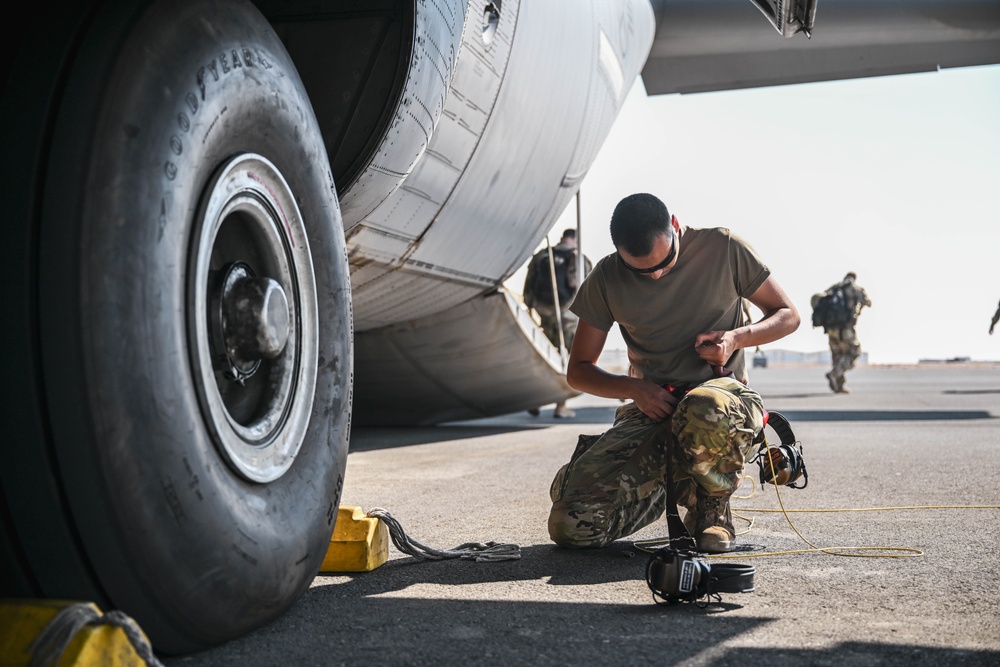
[399, 296]
[405, 214]
[476, 205]
[437, 34]
[412, 208]
[482, 358]
[513, 179]
[372, 244]
[619, 53]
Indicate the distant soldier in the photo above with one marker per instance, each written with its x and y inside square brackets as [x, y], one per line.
[837, 310]
[538, 294]
[996, 318]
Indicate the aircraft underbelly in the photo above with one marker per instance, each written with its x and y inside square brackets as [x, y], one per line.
[484, 357]
[493, 179]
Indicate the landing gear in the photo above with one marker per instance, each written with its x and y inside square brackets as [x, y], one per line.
[183, 326]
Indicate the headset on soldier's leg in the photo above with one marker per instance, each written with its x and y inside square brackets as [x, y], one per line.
[679, 575]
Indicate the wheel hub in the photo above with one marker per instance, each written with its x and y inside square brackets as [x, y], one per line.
[253, 324]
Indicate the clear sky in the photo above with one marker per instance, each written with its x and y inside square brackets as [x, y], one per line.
[895, 178]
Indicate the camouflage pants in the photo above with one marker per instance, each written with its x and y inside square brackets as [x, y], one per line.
[550, 324]
[844, 350]
[614, 484]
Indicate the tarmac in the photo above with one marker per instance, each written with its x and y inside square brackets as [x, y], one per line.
[921, 586]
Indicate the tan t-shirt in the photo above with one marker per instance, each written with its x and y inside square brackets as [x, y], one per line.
[659, 319]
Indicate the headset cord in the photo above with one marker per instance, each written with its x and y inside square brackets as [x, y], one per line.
[897, 552]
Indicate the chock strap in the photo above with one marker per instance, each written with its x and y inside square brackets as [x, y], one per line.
[49, 646]
[481, 552]
[680, 537]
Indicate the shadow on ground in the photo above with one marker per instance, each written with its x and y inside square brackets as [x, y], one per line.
[884, 415]
[369, 438]
[599, 418]
[385, 617]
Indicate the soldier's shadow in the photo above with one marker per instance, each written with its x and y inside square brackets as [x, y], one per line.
[623, 561]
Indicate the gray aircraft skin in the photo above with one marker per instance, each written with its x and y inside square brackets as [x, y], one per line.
[232, 227]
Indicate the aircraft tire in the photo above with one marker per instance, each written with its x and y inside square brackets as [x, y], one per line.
[173, 453]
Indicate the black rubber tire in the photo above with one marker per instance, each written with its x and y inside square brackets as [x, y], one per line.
[139, 509]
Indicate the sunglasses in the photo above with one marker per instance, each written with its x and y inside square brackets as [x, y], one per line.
[661, 265]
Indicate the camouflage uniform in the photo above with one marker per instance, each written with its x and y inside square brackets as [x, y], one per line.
[844, 345]
[550, 323]
[614, 483]
[845, 350]
[544, 304]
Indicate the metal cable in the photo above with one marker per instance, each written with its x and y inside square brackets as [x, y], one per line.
[481, 552]
[55, 638]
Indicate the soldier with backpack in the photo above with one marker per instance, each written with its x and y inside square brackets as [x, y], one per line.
[539, 295]
[837, 310]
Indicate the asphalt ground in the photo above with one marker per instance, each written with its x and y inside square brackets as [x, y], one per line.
[926, 435]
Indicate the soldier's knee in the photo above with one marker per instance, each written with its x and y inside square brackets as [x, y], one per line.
[701, 411]
[576, 529]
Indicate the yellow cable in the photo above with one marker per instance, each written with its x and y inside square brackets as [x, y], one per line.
[911, 552]
[877, 509]
[907, 552]
[833, 551]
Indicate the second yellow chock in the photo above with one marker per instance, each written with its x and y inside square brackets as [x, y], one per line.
[23, 621]
[359, 543]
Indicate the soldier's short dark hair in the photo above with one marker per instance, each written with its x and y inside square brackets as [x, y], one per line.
[851, 275]
[569, 233]
[637, 221]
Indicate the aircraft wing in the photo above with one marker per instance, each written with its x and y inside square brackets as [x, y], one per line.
[709, 45]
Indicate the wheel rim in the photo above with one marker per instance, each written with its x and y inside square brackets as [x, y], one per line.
[252, 318]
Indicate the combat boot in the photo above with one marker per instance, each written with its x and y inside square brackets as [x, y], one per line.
[714, 530]
[562, 412]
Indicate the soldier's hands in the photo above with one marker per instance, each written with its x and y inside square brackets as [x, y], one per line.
[715, 347]
[655, 402]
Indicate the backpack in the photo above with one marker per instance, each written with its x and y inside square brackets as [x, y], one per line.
[832, 308]
[565, 260]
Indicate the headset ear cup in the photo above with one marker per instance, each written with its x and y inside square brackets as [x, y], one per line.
[798, 467]
[677, 576]
[775, 467]
[661, 574]
[782, 465]
[702, 578]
